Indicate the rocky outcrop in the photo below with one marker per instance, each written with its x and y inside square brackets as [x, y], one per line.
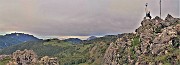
[48, 61]
[29, 57]
[110, 57]
[155, 42]
[26, 57]
[3, 56]
[115, 51]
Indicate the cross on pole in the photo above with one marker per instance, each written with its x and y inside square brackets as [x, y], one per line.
[160, 8]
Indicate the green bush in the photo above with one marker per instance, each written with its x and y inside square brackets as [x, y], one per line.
[158, 30]
[136, 41]
[175, 42]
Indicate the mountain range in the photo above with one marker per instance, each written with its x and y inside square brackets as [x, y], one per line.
[17, 38]
[155, 42]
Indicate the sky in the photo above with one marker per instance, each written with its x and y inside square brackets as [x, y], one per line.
[78, 18]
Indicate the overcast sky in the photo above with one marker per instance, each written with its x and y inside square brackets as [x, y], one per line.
[78, 17]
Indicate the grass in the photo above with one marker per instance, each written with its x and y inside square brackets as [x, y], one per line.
[136, 41]
[84, 64]
[4, 61]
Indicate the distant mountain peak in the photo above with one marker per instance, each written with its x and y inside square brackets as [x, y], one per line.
[73, 40]
[15, 38]
[91, 38]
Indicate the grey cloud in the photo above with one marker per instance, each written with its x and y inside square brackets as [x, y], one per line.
[78, 17]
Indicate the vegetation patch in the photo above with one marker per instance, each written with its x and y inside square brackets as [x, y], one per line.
[5, 61]
[136, 41]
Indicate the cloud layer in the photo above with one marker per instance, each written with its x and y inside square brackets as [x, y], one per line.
[78, 17]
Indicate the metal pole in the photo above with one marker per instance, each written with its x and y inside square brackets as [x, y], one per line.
[160, 8]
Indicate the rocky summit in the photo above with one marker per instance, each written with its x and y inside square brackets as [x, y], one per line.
[155, 42]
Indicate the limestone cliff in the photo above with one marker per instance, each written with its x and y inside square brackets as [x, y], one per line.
[155, 42]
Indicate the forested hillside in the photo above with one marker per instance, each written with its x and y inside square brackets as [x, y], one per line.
[85, 52]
